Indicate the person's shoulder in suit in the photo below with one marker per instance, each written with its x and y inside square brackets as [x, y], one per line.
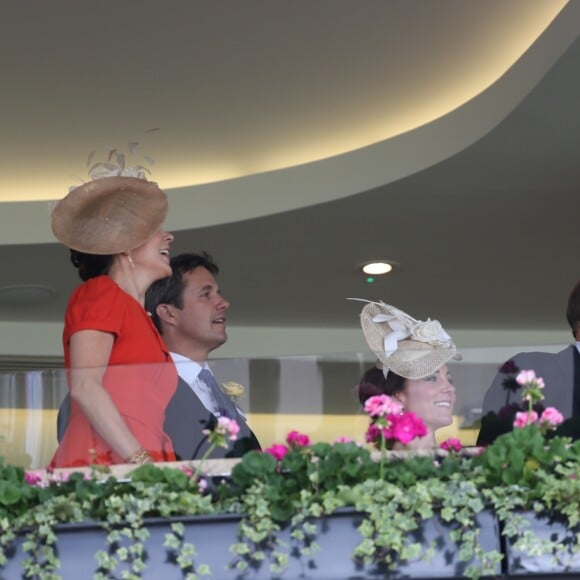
[555, 368]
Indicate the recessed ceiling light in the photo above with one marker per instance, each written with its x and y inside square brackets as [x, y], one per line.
[377, 268]
[25, 294]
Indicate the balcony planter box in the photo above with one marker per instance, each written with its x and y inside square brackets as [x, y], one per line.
[337, 536]
[563, 563]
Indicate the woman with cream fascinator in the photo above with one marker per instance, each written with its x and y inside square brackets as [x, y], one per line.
[411, 367]
[120, 374]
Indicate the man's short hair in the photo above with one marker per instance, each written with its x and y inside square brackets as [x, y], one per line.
[573, 310]
[170, 290]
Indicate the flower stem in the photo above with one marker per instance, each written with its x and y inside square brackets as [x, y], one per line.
[383, 450]
[197, 473]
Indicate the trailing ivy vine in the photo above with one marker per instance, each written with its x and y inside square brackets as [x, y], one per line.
[282, 502]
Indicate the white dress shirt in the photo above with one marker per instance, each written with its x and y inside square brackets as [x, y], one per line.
[188, 370]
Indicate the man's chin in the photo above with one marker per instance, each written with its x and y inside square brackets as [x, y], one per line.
[220, 340]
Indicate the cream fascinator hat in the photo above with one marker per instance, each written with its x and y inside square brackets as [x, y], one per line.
[410, 348]
[115, 212]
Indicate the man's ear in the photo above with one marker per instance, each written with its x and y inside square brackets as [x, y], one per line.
[166, 314]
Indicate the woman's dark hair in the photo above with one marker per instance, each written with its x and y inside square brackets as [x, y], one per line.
[373, 382]
[573, 311]
[91, 265]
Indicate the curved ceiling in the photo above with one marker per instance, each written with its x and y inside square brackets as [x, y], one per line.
[241, 90]
[453, 122]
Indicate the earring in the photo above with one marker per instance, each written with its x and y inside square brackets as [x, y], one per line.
[131, 261]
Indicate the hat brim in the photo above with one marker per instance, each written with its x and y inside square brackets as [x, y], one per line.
[411, 362]
[412, 359]
[109, 215]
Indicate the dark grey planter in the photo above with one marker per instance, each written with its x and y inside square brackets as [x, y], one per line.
[563, 563]
[212, 536]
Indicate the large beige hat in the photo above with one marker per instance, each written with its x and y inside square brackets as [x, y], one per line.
[109, 215]
[410, 348]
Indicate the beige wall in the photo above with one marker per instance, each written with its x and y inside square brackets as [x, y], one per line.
[44, 339]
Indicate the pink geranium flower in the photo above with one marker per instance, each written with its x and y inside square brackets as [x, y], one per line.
[35, 478]
[343, 439]
[451, 444]
[525, 377]
[228, 427]
[381, 405]
[551, 416]
[528, 377]
[202, 485]
[408, 426]
[524, 418]
[373, 433]
[277, 451]
[388, 424]
[225, 429]
[187, 470]
[296, 439]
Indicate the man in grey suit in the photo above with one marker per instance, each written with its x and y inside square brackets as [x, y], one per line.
[190, 313]
[561, 374]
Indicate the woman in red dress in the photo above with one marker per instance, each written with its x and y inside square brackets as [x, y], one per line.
[120, 374]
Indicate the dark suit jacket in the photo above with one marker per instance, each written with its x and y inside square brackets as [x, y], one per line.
[185, 420]
[557, 370]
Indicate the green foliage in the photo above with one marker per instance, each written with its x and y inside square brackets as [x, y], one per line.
[15, 497]
[316, 469]
[519, 457]
[183, 553]
[522, 471]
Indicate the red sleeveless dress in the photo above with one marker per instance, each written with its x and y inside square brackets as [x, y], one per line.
[141, 377]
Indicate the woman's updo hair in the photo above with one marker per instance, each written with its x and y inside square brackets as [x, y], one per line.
[373, 382]
[91, 265]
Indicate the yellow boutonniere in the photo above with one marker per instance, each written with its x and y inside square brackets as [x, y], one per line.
[233, 390]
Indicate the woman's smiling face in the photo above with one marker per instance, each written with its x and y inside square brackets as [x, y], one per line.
[431, 398]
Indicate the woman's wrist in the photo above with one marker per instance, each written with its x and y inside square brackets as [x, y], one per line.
[140, 456]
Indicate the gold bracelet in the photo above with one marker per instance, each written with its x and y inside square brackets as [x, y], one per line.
[140, 456]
